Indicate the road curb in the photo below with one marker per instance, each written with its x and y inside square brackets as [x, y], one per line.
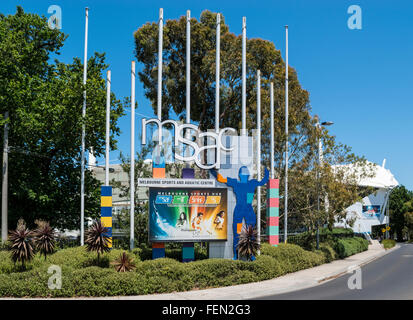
[343, 271]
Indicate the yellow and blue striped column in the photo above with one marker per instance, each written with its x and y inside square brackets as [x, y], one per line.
[106, 210]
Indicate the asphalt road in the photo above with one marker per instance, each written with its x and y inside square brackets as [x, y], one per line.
[388, 277]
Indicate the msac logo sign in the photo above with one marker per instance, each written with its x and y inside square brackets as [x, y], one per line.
[214, 138]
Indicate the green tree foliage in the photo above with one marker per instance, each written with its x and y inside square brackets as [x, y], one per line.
[400, 206]
[261, 55]
[44, 100]
[142, 170]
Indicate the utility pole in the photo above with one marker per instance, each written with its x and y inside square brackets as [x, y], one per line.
[4, 188]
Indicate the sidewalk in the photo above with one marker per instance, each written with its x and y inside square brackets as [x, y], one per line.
[290, 282]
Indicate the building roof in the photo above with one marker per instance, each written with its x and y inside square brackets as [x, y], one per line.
[381, 177]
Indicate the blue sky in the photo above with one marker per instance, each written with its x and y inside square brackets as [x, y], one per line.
[359, 79]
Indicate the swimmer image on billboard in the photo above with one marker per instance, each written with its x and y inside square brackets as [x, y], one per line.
[371, 212]
[187, 214]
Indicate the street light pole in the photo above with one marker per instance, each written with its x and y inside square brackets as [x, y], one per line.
[320, 158]
[318, 129]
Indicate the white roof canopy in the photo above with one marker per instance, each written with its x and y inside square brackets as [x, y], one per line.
[382, 178]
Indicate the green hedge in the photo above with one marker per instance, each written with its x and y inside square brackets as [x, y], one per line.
[388, 243]
[292, 257]
[307, 240]
[349, 246]
[81, 276]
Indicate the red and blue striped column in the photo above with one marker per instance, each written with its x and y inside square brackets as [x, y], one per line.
[273, 204]
[106, 211]
[188, 250]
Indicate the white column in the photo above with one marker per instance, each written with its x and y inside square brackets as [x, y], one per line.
[244, 75]
[160, 49]
[259, 156]
[108, 81]
[82, 176]
[272, 130]
[217, 70]
[286, 135]
[132, 159]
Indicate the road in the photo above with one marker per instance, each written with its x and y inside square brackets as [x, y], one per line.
[388, 277]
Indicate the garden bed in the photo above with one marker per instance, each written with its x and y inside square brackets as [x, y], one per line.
[83, 275]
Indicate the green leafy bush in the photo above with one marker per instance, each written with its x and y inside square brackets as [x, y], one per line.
[308, 240]
[349, 246]
[328, 252]
[388, 243]
[291, 257]
[80, 277]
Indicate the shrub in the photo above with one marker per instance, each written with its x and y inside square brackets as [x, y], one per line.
[328, 252]
[349, 246]
[44, 238]
[81, 278]
[124, 263]
[292, 257]
[22, 246]
[388, 243]
[5, 246]
[96, 238]
[248, 244]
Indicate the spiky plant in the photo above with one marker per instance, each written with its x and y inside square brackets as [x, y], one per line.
[96, 239]
[124, 263]
[44, 238]
[248, 242]
[21, 244]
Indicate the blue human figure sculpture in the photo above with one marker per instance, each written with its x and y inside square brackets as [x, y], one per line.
[244, 190]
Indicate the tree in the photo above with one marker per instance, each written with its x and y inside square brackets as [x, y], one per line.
[44, 101]
[399, 207]
[142, 170]
[261, 55]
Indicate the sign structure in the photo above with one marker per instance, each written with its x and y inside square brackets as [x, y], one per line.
[371, 212]
[196, 146]
[187, 214]
[165, 182]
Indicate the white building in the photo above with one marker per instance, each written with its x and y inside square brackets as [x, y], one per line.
[373, 209]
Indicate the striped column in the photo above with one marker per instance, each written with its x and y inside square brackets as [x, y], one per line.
[158, 171]
[188, 250]
[106, 210]
[273, 205]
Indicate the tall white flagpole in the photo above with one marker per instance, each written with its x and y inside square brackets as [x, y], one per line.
[188, 66]
[132, 159]
[217, 70]
[188, 75]
[244, 75]
[259, 156]
[272, 129]
[160, 49]
[108, 80]
[82, 177]
[286, 137]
